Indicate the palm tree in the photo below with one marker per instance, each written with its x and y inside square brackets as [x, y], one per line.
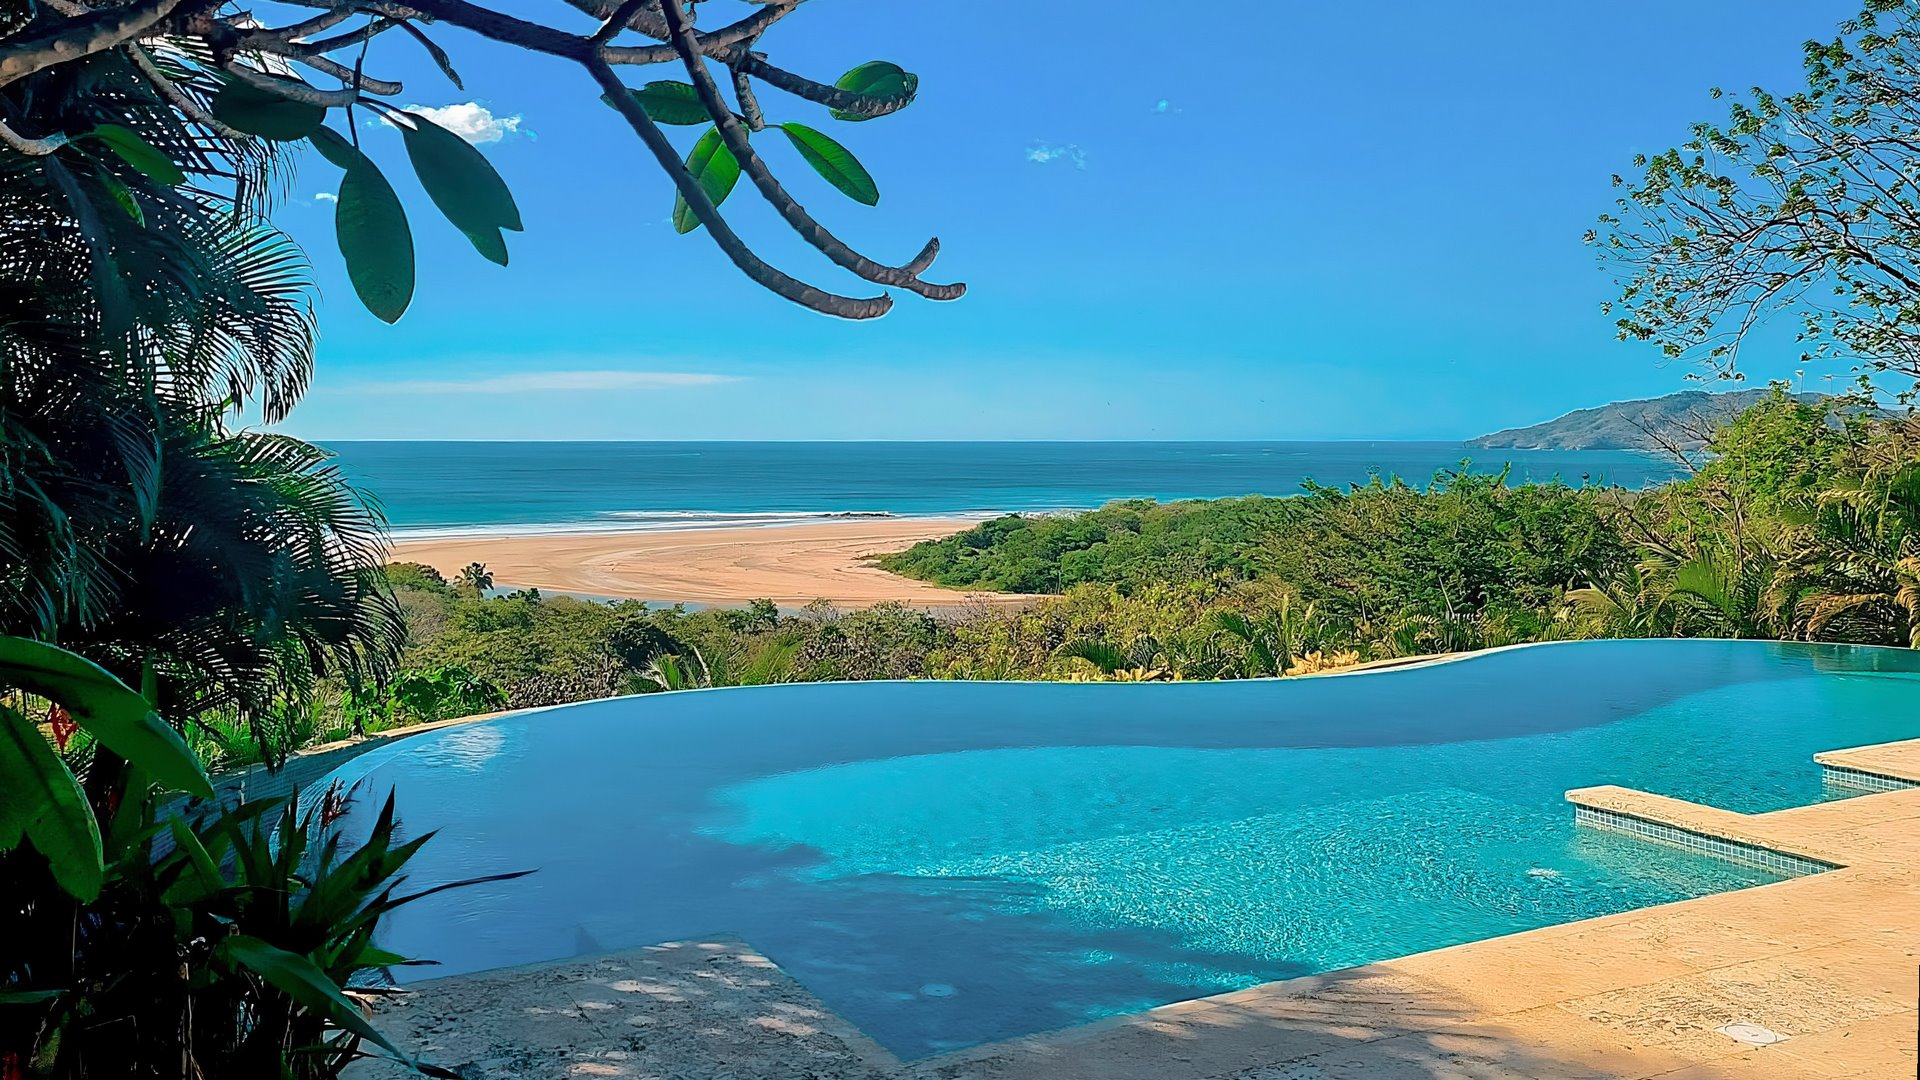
[216, 572]
[142, 298]
[1629, 604]
[1270, 643]
[1751, 597]
[1860, 558]
[477, 577]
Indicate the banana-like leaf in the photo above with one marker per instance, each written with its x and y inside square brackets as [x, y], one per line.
[876, 78]
[463, 184]
[669, 102]
[140, 154]
[713, 165]
[44, 804]
[122, 195]
[371, 228]
[335, 148]
[268, 115]
[833, 162]
[120, 718]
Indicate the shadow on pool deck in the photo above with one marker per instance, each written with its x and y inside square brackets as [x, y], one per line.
[713, 1009]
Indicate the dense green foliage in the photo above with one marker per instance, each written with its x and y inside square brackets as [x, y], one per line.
[1466, 542]
[186, 570]
[1801, 523]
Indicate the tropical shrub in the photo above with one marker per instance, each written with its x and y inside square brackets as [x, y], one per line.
[146, 937]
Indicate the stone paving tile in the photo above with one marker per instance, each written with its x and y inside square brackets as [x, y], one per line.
[1792, 995]
[1883, 1046]
[707, 1010]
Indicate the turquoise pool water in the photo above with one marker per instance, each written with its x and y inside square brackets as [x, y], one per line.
[951, 863]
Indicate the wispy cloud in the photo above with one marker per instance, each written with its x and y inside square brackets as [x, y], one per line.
[325, 196]
[536, 382]
[1041, 153]
[471, 121]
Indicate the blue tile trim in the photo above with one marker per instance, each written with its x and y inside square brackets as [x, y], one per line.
[1842, 776]
[1719, 847]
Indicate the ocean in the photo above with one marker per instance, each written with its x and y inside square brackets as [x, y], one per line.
[455, 488]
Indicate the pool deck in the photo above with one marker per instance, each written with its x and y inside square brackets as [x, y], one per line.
[1828, 963]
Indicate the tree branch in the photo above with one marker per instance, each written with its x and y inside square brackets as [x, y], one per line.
[293, 91]
[735, 136]
[732, 34]
[326, 20]
[177, 97]
[357, 80]
[743, 91]
[696, 198]
[40, 147]
[80, 36]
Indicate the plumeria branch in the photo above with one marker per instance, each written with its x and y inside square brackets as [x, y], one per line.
[702, 206]
[258, 56]
[734, 134]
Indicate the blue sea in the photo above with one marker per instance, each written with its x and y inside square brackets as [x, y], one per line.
[442, 488]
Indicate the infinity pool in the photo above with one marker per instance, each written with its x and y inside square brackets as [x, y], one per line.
[946, 864]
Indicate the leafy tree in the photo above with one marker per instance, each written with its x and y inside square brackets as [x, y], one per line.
[413, 575]
[1800, 203]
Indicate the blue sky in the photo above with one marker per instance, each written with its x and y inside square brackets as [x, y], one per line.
[1268, 221]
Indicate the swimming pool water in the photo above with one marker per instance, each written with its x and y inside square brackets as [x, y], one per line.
[951, 863]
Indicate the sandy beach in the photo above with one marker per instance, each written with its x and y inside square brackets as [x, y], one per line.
[792, 565]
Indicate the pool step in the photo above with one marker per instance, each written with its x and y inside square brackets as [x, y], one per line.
[1893, 766]
[1706, 830]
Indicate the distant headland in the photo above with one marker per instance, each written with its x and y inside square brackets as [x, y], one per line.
[1647, 424]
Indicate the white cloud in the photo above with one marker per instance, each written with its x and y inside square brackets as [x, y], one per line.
[325, 196]
[552, 381]
[472, 121]
[1043, 153]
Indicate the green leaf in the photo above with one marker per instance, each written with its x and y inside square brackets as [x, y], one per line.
[28, 997]
[371, 227]
[203, 877]
[463, 184]
[335, 148]
[876, 78]
[266, 114]
[139, 153]
[375, 957]
[834, 162]
[122, 196]
[713, 165]
[669, 102]
[44, 804]
[489, 243]
[117, 716]
[302, 980]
